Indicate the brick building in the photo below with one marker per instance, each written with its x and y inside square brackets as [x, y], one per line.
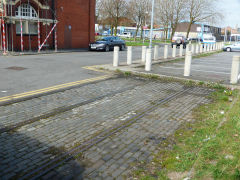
[197, 29]
[75, 21]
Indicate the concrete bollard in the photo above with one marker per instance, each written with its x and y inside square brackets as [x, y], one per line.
[116, 56]
[174, 50]
[204, 48]
[165, 51]
[144, 50]
[201, 48]
[214, 45]
[148, 65]
[208, 47]
[197, 48]
[129, 55]
[235, 70]
[187, 48]
[188, 61]
[193, 49]
[156, 48]
[181, 51]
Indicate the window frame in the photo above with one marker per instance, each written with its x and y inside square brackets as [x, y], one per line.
[26, 11]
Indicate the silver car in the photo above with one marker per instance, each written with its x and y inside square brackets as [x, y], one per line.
[232, 47]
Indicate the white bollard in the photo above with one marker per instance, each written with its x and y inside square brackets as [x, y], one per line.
[208, 47]
[165, 51]
[156, 48]
[129, 55]
[116, 56]
[144, 50]
[193, 49]
[204, 48]
[181, 50]
[174, 50]
[197, 48]
[201, 48]
[188, 61]
[235, 70]
[187, 48]
[148, 65]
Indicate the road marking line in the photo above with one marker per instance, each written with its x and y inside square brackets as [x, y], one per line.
[49, 89]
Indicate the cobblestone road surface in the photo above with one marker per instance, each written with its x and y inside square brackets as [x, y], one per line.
[30, 146]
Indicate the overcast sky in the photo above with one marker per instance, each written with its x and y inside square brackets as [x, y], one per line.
[231, 12]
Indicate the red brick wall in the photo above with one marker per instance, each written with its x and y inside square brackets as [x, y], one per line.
[75, 29]
[76, 23]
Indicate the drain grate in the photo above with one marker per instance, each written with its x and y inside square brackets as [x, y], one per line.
[16, 68]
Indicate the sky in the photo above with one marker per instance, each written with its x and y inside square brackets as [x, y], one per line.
[231, 12]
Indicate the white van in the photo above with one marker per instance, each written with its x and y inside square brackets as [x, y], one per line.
[126, 35]
[208, 39]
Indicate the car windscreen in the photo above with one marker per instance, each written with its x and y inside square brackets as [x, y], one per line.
[208, 39]
[104, 39]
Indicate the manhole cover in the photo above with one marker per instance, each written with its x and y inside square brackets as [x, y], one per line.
[17, 68]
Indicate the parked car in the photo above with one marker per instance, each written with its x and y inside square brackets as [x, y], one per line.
[179, 40]
[232, 47]
[107, 44]
[105, 33]
[126, 35]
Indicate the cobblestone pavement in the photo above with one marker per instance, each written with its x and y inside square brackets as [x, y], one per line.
[27, 148]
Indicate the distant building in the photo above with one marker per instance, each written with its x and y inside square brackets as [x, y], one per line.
[197, 30]
[231, 34]
[75, 23]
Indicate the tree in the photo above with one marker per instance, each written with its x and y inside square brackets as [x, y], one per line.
[112, 11]
[200, 10]
[170, 13]
[138, 12]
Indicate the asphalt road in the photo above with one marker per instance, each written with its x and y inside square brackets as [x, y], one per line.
[40, 71]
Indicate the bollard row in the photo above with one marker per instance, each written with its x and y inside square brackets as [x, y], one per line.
[190, 50]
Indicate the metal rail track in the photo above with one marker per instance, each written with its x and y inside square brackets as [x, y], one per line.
[69, 155]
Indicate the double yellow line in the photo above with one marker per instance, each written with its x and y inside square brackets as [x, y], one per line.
[50, 89]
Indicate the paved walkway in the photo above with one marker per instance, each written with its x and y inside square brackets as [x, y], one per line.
[144, 113]
[215, 68]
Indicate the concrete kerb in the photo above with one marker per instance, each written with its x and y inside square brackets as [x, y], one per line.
[128, 70]
[45, 52]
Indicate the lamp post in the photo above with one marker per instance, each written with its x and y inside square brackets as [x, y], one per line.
[151, 31]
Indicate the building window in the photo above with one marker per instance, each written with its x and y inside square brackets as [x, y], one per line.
[26, 12]
[27, 28]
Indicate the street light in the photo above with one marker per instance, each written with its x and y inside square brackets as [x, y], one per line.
[151, 31]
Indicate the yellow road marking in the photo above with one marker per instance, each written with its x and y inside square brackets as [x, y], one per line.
[49, 89]
[94, 68]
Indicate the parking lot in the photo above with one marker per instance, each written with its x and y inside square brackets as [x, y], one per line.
[216, 68]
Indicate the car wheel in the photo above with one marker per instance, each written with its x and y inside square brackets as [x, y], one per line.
[228, 49]
[107, 49]
[122, 48]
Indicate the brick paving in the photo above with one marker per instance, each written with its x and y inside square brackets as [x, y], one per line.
[33, 145]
